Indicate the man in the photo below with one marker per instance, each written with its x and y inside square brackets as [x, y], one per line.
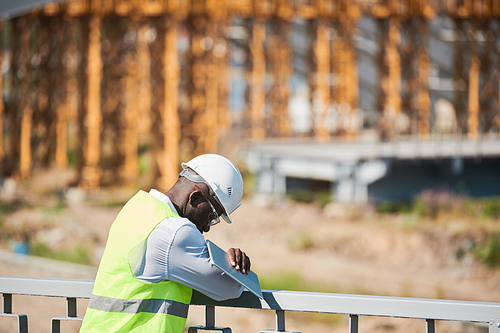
[156, 253]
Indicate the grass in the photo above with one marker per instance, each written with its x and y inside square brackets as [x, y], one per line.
[491, 208]
[5, 209]
[432, 203]
[79, 254]
[72, 157]
[290, 280]
[10, 207]
[428, 204]
[301, 241]
[490, 253]
[390, 207]
[307, 196]
[444, 206]
[112, 204]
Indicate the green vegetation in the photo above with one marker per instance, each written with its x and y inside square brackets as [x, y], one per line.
[79, 254]
[6, 208]
[490, 253]
[290, 280]
[72, 157]
[388, 207]
[250, 180]
[433, 203]
[283, 281]
[301, 241]
[491, 208]
[111, 204]
[430, 203]
[323, 197]
[144, 159]
[61, 202]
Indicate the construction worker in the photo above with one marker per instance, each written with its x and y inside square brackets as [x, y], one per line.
[156, 253]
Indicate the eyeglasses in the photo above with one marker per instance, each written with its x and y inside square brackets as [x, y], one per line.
[213, 216]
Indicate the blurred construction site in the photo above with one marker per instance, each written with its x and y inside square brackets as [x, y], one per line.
[366, 100]
[96, 85]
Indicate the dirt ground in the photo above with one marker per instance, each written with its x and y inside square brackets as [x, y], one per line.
[337, 249]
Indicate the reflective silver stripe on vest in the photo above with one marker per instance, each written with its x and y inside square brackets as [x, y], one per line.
[152, 305]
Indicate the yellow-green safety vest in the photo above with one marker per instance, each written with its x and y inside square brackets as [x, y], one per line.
[119, 301]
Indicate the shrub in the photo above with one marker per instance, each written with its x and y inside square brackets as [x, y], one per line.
[79, 254]
[301, 241]
[491, 208]
[490, 253]
[291, 280]
[431, 203]
[309, 196]
[386, 207]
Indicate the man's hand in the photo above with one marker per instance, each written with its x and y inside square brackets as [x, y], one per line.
[239, 260]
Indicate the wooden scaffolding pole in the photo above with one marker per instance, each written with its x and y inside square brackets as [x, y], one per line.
[91, 170]
[345, 90]
[222, 56]
[496, 120]
[389, 63]
[26, 109]
[198, 80]
[280, 59]
[62, 102]
[352, 85]
[323, 86]
[203, 86]
[393, 59]
[45, 42]
[168, 158]
[210, 137]
[71, 89]
[424, 102]
[256, 81]
[144, 79]
[2, 106]
[473, 107]
[12, 118]
[460, 75]
[130, 141]
[391, 83]
[62, 136]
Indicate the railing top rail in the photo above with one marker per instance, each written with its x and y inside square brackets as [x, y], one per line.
[288, 301]
[52, 287]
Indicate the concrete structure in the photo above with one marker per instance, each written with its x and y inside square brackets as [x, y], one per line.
[12, 8]
[361, 172]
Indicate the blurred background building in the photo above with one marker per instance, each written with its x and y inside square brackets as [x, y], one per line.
[370, 99]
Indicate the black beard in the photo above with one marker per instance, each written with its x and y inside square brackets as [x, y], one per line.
[194, 216]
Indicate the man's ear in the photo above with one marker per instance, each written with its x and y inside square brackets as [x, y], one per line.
[194, 198]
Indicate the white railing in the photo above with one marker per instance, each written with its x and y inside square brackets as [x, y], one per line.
[277, 300]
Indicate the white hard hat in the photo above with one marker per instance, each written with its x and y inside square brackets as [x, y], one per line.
[223, 178]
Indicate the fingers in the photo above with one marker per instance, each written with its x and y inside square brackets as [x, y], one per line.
[246, 265]
[231, 254]
[239, 260]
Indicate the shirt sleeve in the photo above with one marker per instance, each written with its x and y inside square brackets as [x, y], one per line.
[189, 264]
